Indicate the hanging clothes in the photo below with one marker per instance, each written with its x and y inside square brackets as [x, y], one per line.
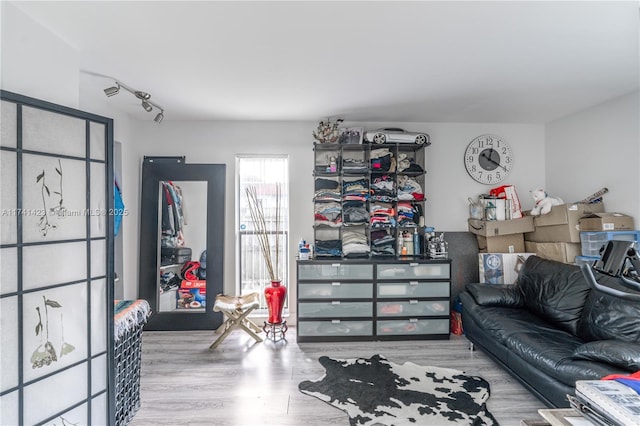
[118, 208]
[172, 215]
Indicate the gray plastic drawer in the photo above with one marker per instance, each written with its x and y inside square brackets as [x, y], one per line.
[335, 290]
[413, 289]
[413, 308]
[413, 270]
[413, 326]
[335, 309]
[335, 328]
[334, 271]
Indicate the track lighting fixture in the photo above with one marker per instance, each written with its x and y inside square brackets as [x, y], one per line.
[110, 91]
[145, 98]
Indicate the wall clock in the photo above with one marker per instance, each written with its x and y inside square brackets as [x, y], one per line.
[488, 159]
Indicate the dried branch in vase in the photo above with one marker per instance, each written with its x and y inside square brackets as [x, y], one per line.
[262, 231]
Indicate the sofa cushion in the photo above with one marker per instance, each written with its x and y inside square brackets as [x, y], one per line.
[551, 351]
[608, 317]
[496, 295]
[554, 291]
[621, 354]
[500, 322]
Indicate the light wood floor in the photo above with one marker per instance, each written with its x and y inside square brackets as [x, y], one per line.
[243, 383]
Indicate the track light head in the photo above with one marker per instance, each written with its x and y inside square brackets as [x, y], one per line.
[142, 95]
[159, 117]
[147, 106]
[114, 90]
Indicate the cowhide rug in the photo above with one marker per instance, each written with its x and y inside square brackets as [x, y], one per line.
[375, 391]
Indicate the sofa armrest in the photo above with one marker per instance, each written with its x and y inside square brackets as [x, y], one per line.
[625, 355]
[496, 295]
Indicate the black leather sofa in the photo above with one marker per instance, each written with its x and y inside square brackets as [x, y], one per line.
[552, 328]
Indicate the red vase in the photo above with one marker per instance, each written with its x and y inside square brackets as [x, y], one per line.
[275, 294]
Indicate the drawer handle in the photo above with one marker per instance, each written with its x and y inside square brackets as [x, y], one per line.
[413, 320]
[413, 302]
[335, 302]
[335, 265]
[413, 282]
[335, 321]
[414, 264]
[336, 283]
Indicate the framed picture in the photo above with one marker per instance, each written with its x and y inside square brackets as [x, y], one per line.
[351, 135]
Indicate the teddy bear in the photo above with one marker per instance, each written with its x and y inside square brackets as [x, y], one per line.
[543, 202]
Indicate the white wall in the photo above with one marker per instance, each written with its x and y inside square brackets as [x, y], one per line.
[35, 62]
[595, 148]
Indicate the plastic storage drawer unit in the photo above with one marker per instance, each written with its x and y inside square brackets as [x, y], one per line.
[591, 242]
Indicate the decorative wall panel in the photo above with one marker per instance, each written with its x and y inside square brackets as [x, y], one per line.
[56, 277]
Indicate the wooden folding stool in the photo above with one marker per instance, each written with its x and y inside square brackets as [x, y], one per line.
[236, 309]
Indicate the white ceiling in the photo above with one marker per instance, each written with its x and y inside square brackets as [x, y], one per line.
[429, 61]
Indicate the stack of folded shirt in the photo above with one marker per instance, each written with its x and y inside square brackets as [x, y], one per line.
[382, 243]
[352, 165]
[355, 212]
[406, 214]
[357, 190]
[409, 189]
[382, 215]
[328, 248]
[383, 188]
[354, 243]
[327, 190]
[329, 214]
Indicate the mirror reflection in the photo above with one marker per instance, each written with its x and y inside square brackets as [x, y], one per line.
[182, 236]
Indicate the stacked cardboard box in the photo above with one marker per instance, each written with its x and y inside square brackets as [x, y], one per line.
[501, 236]
[557, 234]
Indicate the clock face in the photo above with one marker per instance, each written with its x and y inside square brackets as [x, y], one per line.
[488, 159]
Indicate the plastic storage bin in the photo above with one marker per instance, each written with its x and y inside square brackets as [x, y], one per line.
[591, 242]
[589, 260]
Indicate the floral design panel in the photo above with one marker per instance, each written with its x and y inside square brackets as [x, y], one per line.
[55, 329]
[54, 197]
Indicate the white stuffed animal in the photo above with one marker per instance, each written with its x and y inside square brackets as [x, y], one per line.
[543, 202]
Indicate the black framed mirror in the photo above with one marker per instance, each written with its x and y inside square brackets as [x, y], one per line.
[182, 218]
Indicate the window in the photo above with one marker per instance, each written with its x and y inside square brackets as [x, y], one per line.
[264, 174]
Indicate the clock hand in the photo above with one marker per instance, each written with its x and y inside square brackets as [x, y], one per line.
[491, 160]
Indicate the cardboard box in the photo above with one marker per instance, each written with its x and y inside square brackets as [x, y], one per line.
[558, 251]
[501, 268]
[561, 224]
[606, 222]
[494, 228]
[513, 243]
